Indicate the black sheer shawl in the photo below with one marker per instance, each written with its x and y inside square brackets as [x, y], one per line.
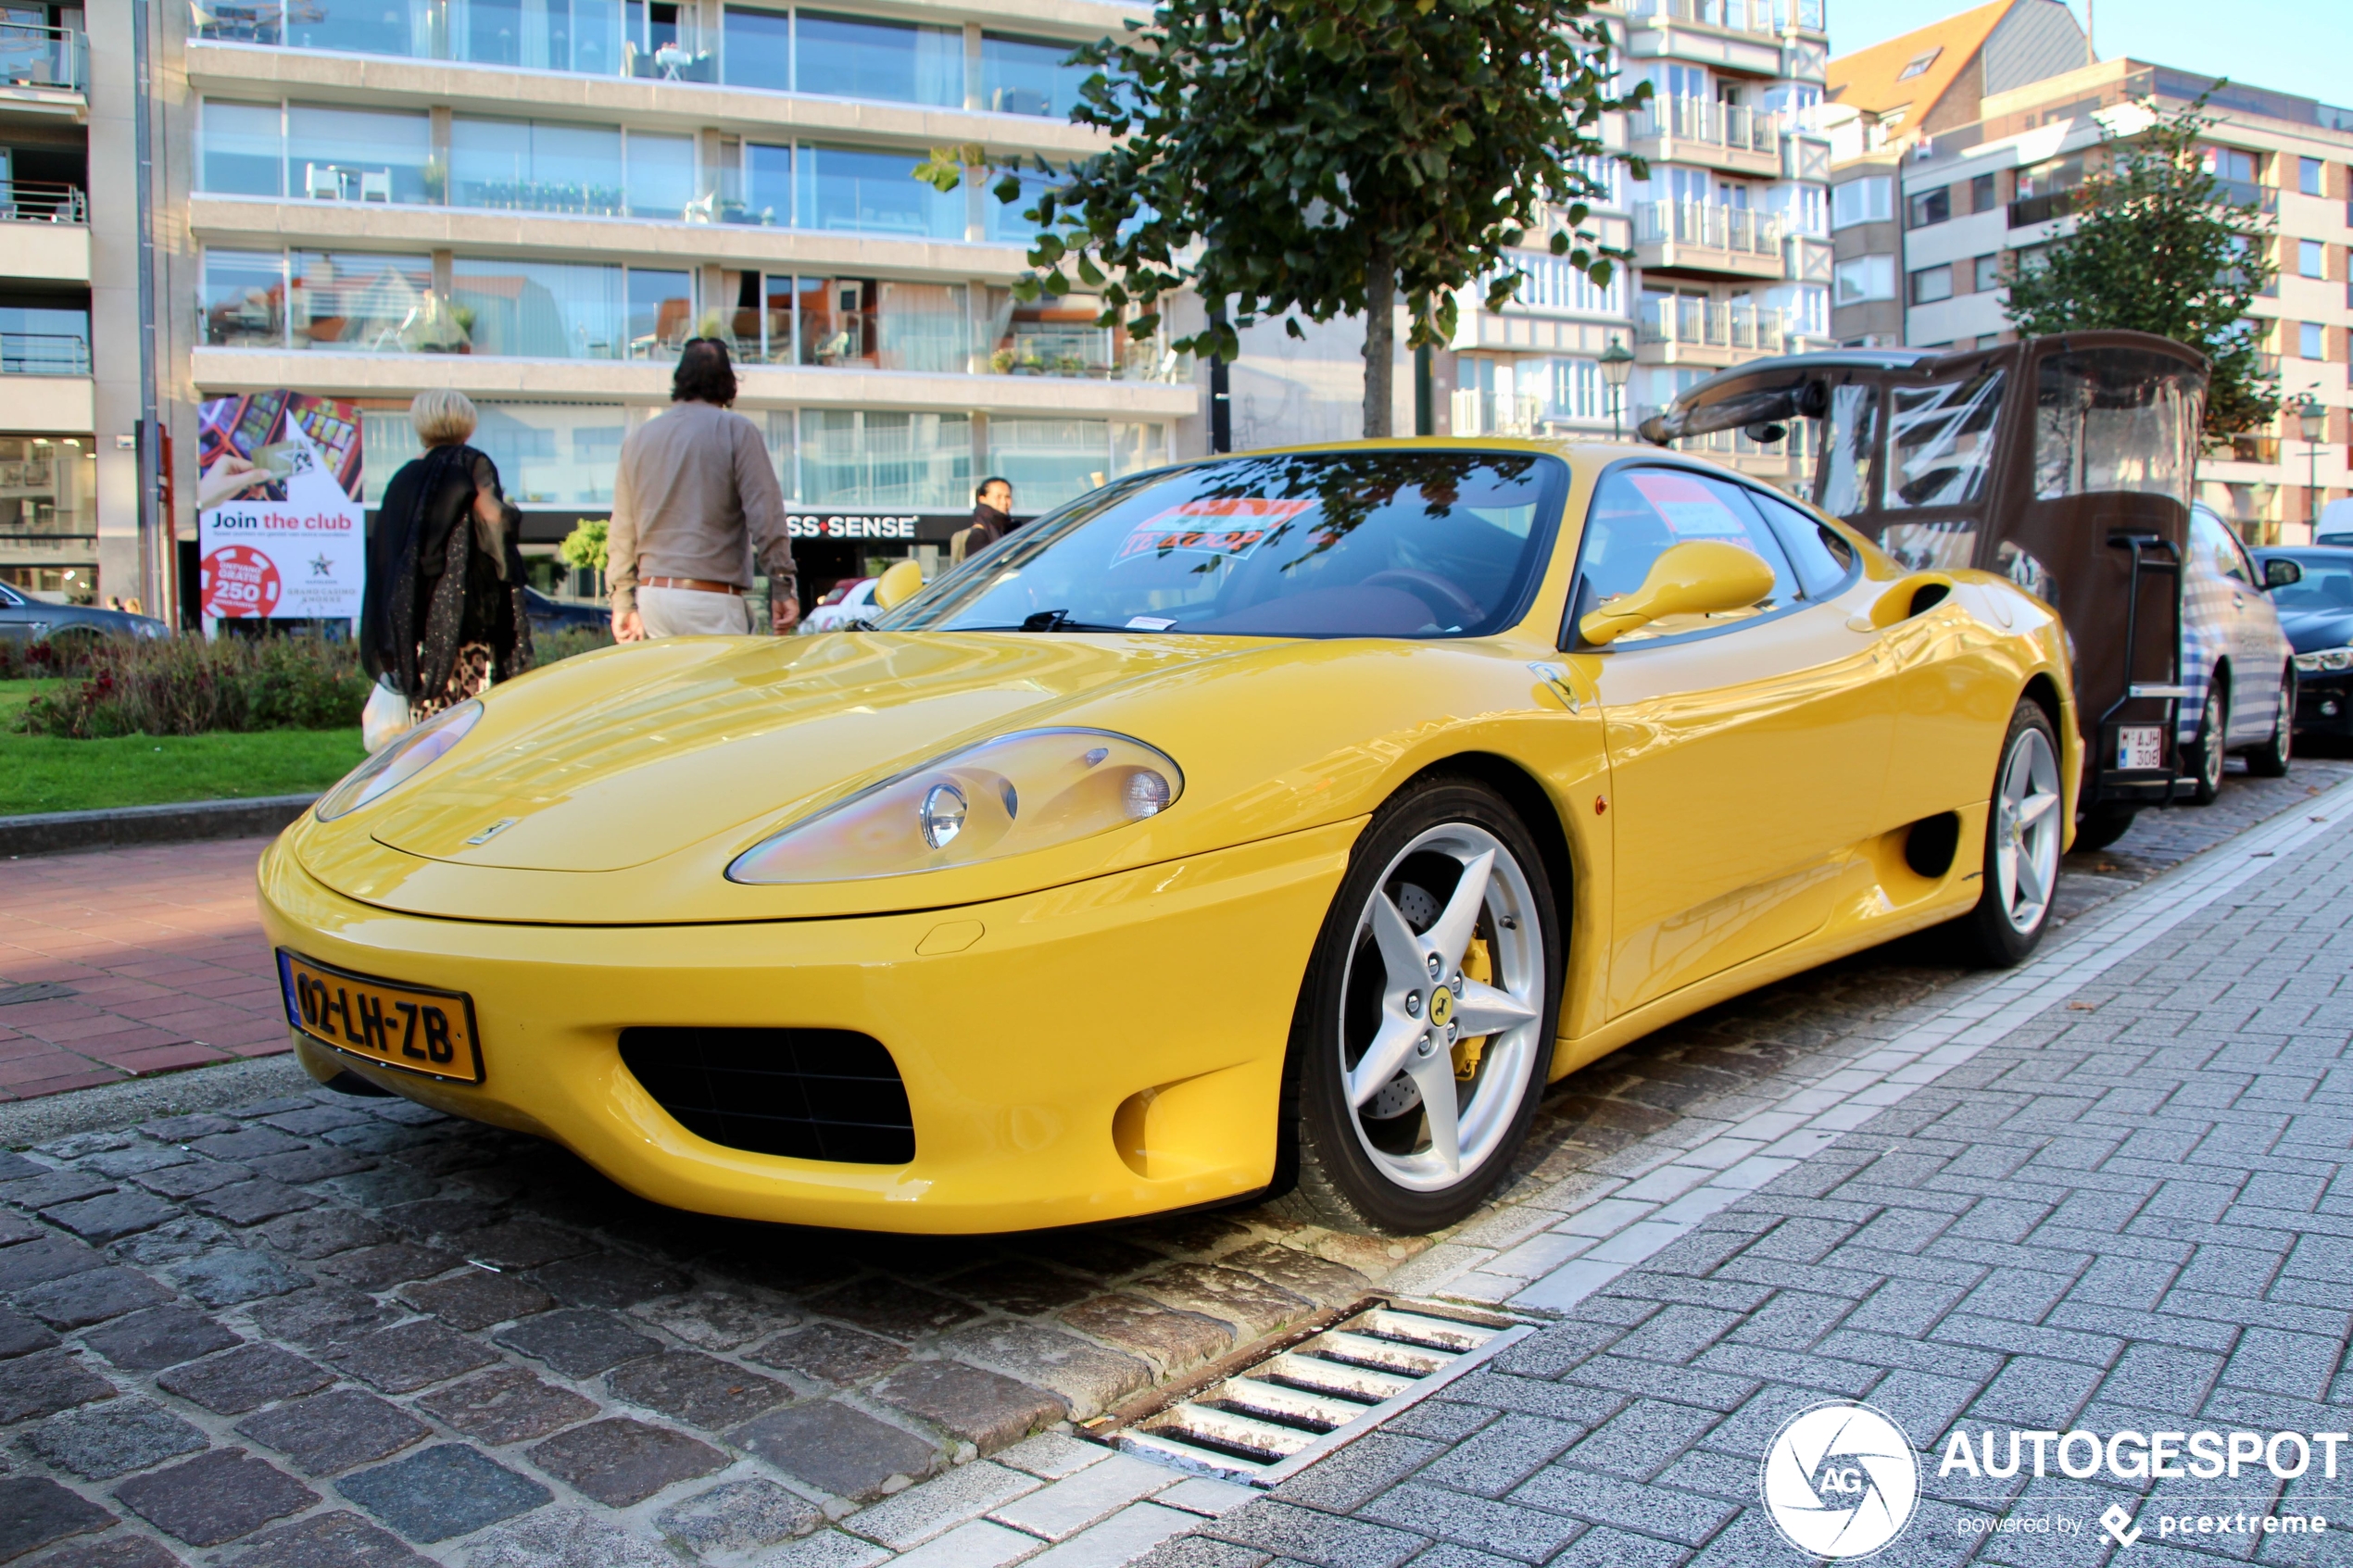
[438, 577]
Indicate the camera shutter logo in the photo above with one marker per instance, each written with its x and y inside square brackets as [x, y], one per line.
[1840, 1480]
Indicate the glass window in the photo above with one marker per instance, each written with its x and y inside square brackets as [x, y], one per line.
[661, 312]
[358, 154]
[244, 149]
[516, 164]
[387, 442]
[1860, 201]
[540, 310]
[1930, 284]
[1639, 514]
[1988, 269]
[1864, 277]
[44, 339]
[2115, 420]
[2312, 258]
[892, 61]
[1820, 553]
[1395, 543]
[2222, 554]
[243, 298]
[1027, 76]
[1940, 442]
[1001, 222]
[1050, 461]
[1135, 447]
[1850, 447]
[847, 190]
[1052, 335]
[851, 458]
[885, 326]
[758, 50]
[767, 182]
[2311, 340]
[661, 175]
[375, 304]
[569, 35]
[553, 453]
[1931, 208]
[1980, 193]
[365, 27]
[2309, 176]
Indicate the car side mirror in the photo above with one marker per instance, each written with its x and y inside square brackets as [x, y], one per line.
[1699, 578]
[898, 585]
[2278, 572]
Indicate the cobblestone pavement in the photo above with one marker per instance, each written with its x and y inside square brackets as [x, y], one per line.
[317, 1330]
[2108, 1193]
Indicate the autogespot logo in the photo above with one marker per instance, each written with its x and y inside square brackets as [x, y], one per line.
[1840, 1480]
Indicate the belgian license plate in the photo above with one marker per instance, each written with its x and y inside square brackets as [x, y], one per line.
[2140, 746]
[414, 1028]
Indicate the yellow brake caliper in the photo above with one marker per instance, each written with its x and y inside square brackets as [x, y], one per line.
[1480, 965]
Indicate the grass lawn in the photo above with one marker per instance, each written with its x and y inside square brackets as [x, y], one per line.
[38, 774]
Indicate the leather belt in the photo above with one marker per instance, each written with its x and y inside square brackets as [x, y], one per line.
[696, 583]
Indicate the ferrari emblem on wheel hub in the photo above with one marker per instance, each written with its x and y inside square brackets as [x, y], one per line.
[1442, 1007]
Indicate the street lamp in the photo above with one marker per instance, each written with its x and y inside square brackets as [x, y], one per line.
[1618, 363]
[2314, 421]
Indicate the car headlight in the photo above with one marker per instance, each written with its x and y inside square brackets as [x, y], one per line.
[1022, 792]
[2320, 659]
[398, 762]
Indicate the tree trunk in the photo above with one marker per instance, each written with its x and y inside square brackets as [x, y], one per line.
[1380, 339]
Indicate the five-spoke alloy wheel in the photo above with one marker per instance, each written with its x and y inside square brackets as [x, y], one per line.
[2023, 825]
[1426, 1024]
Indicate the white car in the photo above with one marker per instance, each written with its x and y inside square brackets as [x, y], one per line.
[837, 610]
[2235, 661]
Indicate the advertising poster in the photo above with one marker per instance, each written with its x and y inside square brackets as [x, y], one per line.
[281, 527]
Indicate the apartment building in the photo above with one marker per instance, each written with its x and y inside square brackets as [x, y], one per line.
[1728, 233]
[69, 398]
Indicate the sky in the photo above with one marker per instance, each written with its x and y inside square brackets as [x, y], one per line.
[2300, 46]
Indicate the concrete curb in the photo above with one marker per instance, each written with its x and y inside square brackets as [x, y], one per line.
[54, 831]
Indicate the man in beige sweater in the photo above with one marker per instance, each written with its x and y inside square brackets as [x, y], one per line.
[693, 505]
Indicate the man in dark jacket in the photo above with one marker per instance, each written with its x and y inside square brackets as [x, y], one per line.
[992, 520]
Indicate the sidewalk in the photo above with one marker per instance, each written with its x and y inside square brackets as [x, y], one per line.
[2106, 1192]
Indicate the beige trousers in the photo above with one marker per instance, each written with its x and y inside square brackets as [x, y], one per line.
[690, 612]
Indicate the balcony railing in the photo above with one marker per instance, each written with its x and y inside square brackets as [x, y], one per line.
[2252, 449]
[1712, 323]
[38, 200]
[2029, 210]
[1708, 225]
[1765, 18]
[1704, 119]
[589, 37]
[44, 354]
[2247, 193]
[45, 57]
[1495, 413]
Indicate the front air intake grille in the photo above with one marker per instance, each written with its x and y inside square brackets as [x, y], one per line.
[807, 1094]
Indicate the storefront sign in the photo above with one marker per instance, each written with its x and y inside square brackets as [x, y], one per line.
[853, 525]
[280, 526]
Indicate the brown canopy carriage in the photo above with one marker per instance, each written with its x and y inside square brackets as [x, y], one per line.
[2064, 463]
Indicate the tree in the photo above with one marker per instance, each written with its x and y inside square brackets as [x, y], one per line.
[1320, 157]
[2157, 247]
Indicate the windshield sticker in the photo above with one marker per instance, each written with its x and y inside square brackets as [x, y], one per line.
[1233, 528]
[1689, 507]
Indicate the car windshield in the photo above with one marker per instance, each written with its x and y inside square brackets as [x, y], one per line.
[2327, 585]
[1398, 542]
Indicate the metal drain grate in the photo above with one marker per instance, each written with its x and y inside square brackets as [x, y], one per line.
[1281, 1414]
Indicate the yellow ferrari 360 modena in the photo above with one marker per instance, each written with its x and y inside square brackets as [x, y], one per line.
[1277, 823]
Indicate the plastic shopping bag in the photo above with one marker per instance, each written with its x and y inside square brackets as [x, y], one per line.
[385, 719]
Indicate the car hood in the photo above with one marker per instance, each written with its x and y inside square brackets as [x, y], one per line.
[627, 780]
[2313, 629]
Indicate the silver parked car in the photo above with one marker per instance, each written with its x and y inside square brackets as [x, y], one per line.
[26, 619]
[2236, 662]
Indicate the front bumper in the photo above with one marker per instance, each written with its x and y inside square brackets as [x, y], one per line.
[2324, 704]
[1098, 1051]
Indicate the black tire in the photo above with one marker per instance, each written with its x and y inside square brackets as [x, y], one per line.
[1334, 1177]
[2208, 751]
[2100, 826]
[2014, 908]
[2270, 760]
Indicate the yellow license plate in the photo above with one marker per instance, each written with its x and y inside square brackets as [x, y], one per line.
[414, 1028]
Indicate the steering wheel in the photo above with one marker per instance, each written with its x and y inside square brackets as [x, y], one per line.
[1442, 597]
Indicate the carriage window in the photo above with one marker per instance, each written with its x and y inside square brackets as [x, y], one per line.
[1639, 513]
[1940, 442]
[2116, 420]
[1850, 437]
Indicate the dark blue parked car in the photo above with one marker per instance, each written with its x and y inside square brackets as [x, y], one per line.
[2316, 611]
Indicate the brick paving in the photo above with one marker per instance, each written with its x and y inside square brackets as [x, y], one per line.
[2123, 1211]
[316, 1330]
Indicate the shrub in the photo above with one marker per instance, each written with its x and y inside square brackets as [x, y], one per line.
[62, 655]
[549, 647]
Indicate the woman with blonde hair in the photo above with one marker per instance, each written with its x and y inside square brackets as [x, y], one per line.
[443, 615]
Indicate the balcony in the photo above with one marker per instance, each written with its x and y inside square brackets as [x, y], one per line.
[1495, 413]
[45, 232]
[2027, 211]
[1701, 130]
[38, 200]
[44, 354]
[1763, 17]
[1707, 237]
[1706, 332]
[43, 66]
[2251, 449]
[2247, 193]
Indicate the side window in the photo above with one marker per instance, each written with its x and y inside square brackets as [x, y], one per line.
[2218, 551]
[1638, 514]
[1940, 445]
[1821, 557]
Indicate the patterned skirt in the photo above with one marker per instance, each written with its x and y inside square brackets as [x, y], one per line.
[469, 677]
